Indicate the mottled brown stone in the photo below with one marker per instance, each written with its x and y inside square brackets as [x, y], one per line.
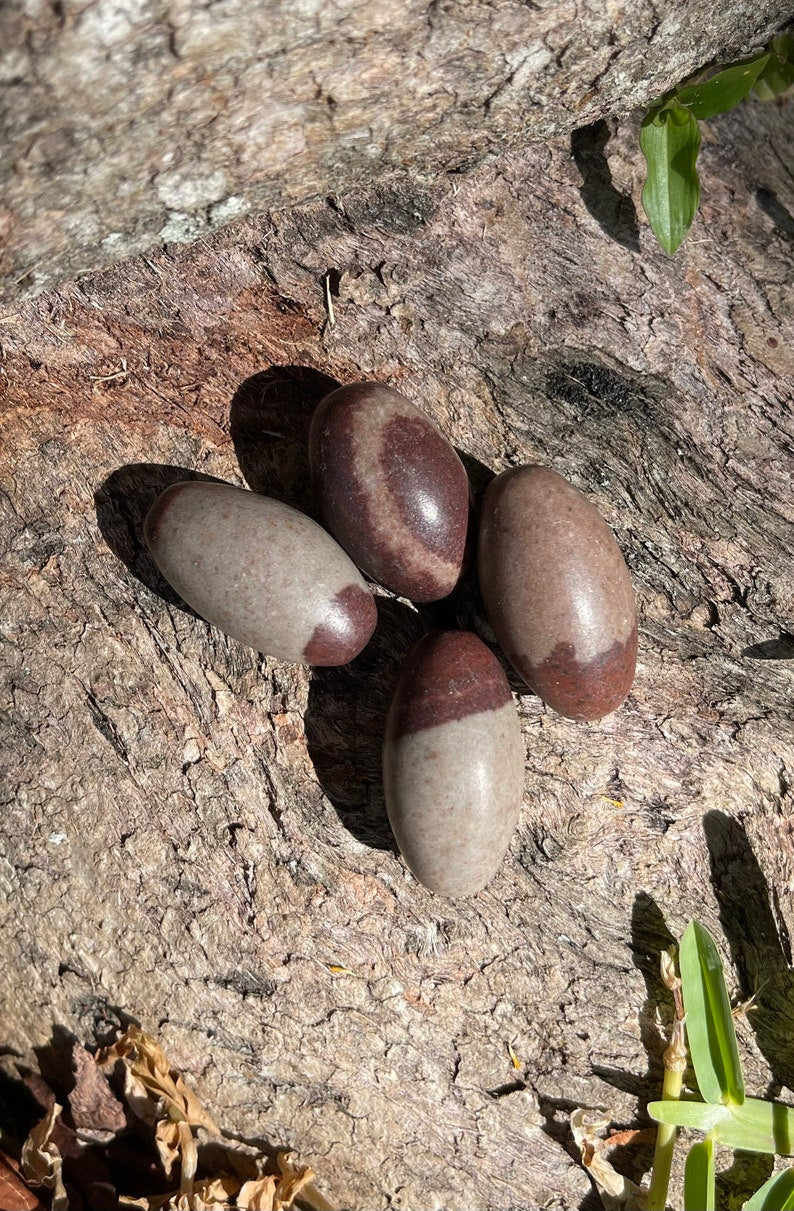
[453, 763]
[558, 592]
[262, 572]
[392, 489]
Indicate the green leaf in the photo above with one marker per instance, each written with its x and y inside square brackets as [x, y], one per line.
[670, 139]
[753, 1126]
[723, 91]
[758, 1126]
[783, 47]
[700, 1116]
[699, 1183]
[775, 1195]
[709, 1021]
[778, 75]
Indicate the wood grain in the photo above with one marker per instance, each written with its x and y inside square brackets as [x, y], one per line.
[128, 127]
[195, 836]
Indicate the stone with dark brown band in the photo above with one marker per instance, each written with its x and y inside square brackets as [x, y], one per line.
[392, 489]
[453, 763]
[557, 592]
[451, 674]
[262, 572]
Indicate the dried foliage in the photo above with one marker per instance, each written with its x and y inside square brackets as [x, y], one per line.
[42, 1163]
[212, 1171]
[14, 1191]
[618, 1193]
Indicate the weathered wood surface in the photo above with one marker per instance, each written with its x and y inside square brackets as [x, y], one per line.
[127, 126]
[195, 836]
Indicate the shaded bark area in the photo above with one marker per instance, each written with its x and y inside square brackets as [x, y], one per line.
[195, 835]
[125, 127]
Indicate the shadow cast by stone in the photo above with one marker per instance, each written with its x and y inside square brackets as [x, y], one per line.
[479, 478]
[613, 211]
[269, 422]
[122, 502]
[345, 720]
[759, 944]
[775, 210]
[781, 648]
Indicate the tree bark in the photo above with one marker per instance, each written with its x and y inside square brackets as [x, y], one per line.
[125, 127]
[195, 836]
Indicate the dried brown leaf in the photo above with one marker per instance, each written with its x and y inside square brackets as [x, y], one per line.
[150, 1068]
[297, 1180]
[167, 1139]
[156, 1092]
[14, 1192]
[258, 1195]
[208, 1195]
[96, 1112]
[42, 1163]
[617, 1192]
[219, 1191]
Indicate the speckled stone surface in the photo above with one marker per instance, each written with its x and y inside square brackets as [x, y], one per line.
[262, 572]
[558, 592]
[453, 763]
[392, 489]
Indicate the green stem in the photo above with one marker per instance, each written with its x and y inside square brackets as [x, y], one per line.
[674, 1068]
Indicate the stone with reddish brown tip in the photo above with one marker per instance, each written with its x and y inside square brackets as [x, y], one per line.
[453, 763]
[391, 488]
[558, 592]
[262, 572]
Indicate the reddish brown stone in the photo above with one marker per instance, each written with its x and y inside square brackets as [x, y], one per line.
[448, 675]
[392, 489]
[558, 592]
[352, 613]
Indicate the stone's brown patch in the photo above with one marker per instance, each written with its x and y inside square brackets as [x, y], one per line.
[428, 485]
[449, 675]
[154, 518]
[583, 691]
[392, 490]
[343, 496]
[341, 636]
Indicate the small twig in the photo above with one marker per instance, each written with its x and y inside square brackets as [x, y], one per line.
[674, 1069]
[311, 1197]
[329, 304]
[27, 273]
[108, 378]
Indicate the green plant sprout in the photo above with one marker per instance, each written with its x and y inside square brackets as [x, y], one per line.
[670, 135]
[724, 1114]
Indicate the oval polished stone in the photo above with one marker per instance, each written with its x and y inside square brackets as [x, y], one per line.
[557, 592]
[453, 763]
[262, 572]
[391, 488]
